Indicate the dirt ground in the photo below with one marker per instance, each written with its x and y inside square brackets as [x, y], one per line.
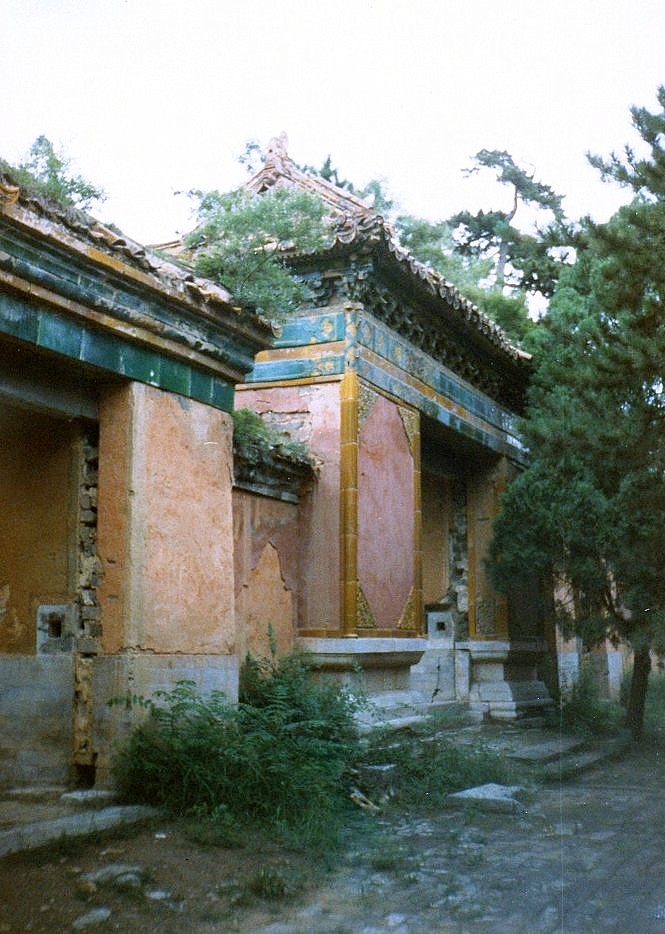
[588, 856]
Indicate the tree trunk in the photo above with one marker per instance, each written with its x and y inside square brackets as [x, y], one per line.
[501, 264]
[638, 691]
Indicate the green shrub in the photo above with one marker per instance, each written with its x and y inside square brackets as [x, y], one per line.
[273, 884]
[278, 758]
[324, 707]
[585, 712]
[214, 827]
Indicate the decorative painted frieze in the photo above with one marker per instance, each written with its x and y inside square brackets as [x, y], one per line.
[72, 286]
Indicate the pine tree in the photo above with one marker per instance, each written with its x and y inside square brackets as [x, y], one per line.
[527, 261]
[588, 511]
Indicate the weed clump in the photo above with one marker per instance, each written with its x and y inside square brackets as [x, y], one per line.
[429, 766]
[585, 712]
[277, 759]
[255, 440]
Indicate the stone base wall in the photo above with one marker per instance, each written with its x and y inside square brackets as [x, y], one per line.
[435, 674]
[369, 665]
[503, 679]
[142, 675]
[36, 719]
[36, 715]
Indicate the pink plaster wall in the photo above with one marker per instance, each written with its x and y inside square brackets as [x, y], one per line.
[165, 530]
[312, 414]
[385, 513]
[267, 577]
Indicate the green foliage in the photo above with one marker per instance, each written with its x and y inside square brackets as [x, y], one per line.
[214, 827]
[429, 767]
[589, 508]
[255, 439]
[280, 756]
[529, 262]
[510, 311]
[587, 714]
[375, 193]
[272, 884]
[46, 171]
[434, 245]
[241, 240]
[289, 684]
[654, 708]
[654, 714]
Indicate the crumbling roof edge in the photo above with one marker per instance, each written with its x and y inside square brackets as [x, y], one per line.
[357, 223]
[77, 229]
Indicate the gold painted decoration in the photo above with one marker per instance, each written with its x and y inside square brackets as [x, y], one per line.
[485, 622]
[324, 368]
[365, 616]
[366, 400]
[411, 422]
[412, 612]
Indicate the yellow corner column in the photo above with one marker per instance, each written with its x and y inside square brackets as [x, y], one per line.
[417, 529]
[349, 502]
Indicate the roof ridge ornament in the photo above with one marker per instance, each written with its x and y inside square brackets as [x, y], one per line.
[9, 194]
[277, 156]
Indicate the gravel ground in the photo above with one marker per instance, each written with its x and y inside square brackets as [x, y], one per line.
[587, 856]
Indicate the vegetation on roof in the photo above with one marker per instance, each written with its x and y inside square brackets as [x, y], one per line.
[46, 172]
[256, 440]
[240, 238]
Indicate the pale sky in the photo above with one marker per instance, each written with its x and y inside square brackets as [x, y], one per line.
[150, 97]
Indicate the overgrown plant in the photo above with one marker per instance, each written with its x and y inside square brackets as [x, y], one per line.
[279, 757]
[241, 239]
[45, 171]
[255, 439]
[654, 706]
[654, 715]
[428, 767]
[586, 514]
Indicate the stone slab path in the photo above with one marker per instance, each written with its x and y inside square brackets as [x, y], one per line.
[586, 855]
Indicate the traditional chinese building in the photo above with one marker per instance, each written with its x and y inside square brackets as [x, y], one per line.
[117, 373]
[407, 395]
[137, 553]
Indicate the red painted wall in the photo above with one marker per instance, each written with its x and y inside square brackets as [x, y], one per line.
[385, 513]
[311, 413]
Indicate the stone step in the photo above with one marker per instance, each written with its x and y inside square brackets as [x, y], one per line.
[575, 763]
[59, 794]
[548, 751]
[393, 710]
[531, 721]
[38, 794]
[26, 836]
